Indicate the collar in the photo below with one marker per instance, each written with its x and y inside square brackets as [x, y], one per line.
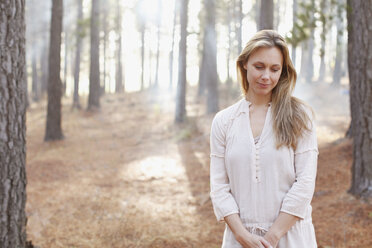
[244, 106]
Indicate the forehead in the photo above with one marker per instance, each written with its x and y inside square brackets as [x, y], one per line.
[266, 55]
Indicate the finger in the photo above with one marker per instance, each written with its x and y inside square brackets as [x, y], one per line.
[260, 245]
[266, 243]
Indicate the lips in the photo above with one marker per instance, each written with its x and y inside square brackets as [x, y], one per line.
[263, 85]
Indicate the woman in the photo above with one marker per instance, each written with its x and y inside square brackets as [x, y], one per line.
[264, 154]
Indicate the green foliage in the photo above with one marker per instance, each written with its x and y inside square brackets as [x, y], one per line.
[304, 25]
[311, 15]
[83, 27]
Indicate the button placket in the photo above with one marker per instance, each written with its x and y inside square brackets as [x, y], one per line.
[258, 169]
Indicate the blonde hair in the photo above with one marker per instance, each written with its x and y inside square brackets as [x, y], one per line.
[290, 119]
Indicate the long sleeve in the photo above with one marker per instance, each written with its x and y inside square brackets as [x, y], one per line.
[300, 194]
[223, 201]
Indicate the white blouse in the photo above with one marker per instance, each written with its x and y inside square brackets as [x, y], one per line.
[257, 181]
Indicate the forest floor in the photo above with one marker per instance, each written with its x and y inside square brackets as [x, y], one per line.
[126, 176]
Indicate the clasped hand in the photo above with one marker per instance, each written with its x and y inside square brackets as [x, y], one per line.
[249, 240]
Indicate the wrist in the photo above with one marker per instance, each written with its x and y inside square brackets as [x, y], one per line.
[274, 234]
[241, 234]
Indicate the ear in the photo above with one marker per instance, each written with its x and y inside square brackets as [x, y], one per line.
[245, 65]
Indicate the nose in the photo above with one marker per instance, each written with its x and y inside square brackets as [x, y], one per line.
[265, 75]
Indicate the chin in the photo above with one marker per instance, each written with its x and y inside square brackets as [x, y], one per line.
[263, 91]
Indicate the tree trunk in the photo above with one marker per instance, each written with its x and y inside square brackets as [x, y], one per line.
[44, 68]
[54, 118]
[294, 19]
[309, 72]
[322, 67]
[35, 79]
[142, 56]
[64, 85]
[26, 85]
[310, 50]
[239, 25]
[303, 67]
[266, 15]
[257, 13]
[280, 9]
[172, 48]
[181, 86]
[119, 87]
[94, 75]
[337, 73]
[150, 68]
[210, 48]
[76, 99]
[228, 55]
[156, 84]
[105, 5]
[360, 76]
[12, 125]
[202, 68]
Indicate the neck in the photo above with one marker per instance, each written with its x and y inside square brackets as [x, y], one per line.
[258, 100]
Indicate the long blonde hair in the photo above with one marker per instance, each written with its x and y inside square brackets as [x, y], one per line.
[290, 119]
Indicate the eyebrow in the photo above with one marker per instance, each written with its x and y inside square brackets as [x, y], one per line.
[259, 62]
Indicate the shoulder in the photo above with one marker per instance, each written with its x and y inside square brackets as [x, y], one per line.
[228, 114]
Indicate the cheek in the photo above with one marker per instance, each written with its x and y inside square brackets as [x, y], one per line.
[276, 78]
[252, 75]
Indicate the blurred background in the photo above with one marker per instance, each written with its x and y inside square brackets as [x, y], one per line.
[145, 35]
[133, 87]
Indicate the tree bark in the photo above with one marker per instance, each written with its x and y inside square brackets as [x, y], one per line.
[181, 86]
[294, 19]
[44, 68]
[156, 84]
[266, 14]
[35, 79]
[310, 49]
[150, 68]
[202, 67]
[210, 48]
[322, 67]
[142, 56]
[239, 25]
[280, 9]
[94, 75]
[64, 84]
[228, 55]
[360, 76]
[54, 118]
[257, 8]
[76, 98]
[337, 73]
[119, 87]
[105, 10]
[12, 125]
[172, 48]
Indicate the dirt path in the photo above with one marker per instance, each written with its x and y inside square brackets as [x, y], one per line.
[127, 177]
